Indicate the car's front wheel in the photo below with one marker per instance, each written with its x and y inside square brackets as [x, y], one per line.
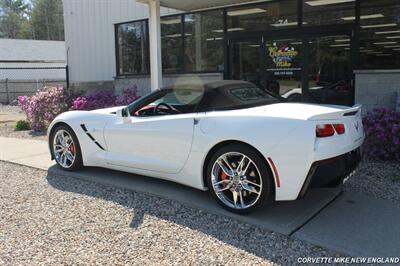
[65, 148]
[239, 179]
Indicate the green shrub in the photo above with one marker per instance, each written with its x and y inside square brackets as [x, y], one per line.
[22, 125]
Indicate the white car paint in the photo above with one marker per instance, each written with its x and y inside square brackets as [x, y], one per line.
[175, 147]
[297, 91]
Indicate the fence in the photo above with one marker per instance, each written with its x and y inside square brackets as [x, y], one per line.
[16, 81]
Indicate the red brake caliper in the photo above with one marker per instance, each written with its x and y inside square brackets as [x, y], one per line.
[72, 149]
[223, 176]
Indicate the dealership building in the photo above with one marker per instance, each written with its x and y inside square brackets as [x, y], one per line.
[329, 51]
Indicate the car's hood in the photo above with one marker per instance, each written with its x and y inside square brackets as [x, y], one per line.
[301, 111]
[108, 110]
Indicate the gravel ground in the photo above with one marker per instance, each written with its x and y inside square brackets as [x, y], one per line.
[376, 179]
[9, 114]
[48, 219]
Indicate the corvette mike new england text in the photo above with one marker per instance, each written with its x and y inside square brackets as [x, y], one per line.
[350, 260]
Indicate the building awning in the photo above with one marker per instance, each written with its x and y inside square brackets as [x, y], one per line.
[190, 5]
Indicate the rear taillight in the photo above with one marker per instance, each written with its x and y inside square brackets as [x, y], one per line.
[327, 130]
[339, 128]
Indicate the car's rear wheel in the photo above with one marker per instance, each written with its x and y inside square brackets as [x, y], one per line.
[66, 149]
[239, 179]
[295, 97]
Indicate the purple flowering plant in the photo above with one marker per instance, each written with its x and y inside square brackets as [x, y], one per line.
[48, 102]
[96, 100]
[104, 99]
[382, 129]
[128, 96]
[42, 107]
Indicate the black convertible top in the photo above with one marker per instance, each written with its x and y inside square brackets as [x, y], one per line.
[217, 95]
[210, 85]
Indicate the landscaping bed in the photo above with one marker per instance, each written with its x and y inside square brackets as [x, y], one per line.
[9, 115]
[376, 179]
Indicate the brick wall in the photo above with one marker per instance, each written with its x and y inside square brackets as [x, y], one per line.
[377, 88]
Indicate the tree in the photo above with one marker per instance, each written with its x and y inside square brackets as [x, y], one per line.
[47, 19]
[14, 19]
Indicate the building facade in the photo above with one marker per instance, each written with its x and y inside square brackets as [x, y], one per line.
[27, 65]
[329, 51]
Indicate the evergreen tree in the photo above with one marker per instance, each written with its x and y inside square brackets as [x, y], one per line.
[47, 19]
[43, 20]
[14, 19]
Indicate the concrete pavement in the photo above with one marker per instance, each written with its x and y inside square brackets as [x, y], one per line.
[352, 224]
[27, 152]
[356, 224]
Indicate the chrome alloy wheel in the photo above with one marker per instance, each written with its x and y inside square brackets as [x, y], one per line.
[64, 148]
[236, 180]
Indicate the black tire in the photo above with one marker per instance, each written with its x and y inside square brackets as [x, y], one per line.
[267, 192]
[78, 163]
[295, 97]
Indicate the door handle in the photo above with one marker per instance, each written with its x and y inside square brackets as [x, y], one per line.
[196, 121]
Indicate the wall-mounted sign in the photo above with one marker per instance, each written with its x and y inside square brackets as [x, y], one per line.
[283, 57]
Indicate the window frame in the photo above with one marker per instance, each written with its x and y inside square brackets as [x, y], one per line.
[357, 38]
[117, 51]
[300, 29]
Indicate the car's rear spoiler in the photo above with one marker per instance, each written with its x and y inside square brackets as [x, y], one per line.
[351, 111]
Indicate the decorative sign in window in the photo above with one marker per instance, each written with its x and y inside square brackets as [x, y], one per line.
[283, 60]
[283, 57]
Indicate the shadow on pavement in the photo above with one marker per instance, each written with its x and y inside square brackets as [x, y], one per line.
[284, 217]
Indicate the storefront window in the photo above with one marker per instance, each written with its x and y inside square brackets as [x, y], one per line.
[329, 70]
[204, 41]
[284, 67]
[171, 44]
[245, 61]
[271, 15]
[132, 48]
[322, 12]
[380, 34]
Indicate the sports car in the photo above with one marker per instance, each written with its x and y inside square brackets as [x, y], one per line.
[245, 146]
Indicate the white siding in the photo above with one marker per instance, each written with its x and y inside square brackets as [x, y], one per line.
[89, 35]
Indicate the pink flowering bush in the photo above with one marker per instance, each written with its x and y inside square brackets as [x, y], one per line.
[47, 103]
[128, 96]
[104, 99]
[42, 107]
[96, 100]
[382, 128]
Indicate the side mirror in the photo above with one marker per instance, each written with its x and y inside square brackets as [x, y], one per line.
[124, 114]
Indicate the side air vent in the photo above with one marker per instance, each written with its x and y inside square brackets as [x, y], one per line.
[350, 113]
[91, 137]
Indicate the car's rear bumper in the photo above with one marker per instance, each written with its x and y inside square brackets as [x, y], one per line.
[332, 171]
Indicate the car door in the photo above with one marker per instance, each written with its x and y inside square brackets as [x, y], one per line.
[159, 143]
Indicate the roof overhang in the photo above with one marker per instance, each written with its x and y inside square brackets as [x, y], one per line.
[191, 5]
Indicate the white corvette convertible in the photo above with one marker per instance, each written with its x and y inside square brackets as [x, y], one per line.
[245, 146]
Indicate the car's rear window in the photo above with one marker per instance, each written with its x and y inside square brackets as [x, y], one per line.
[249, 94]
[238, 97]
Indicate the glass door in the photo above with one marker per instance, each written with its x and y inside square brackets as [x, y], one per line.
[283, 67]
[309, 68]
[329, 70]
[245, 61]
